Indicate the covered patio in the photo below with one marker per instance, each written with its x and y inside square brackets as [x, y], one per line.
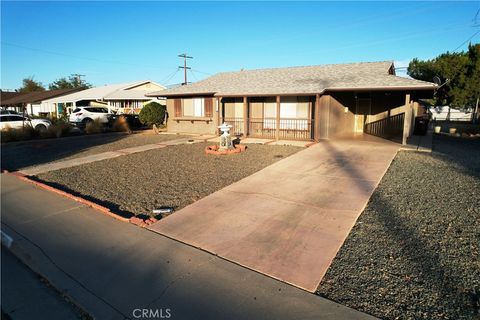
[279, 118]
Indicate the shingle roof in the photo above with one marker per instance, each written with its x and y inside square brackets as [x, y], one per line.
[110, 91]
[299, 80]
[37, 96]
[5, 95]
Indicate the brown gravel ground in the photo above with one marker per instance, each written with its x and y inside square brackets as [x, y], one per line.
[414, 251]
[173, 176]
[20, 155]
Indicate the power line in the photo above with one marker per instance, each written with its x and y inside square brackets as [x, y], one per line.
[174, 74]
[206, 73]
[193, 75]
[75, 56]
[471, 37]
[169, 75]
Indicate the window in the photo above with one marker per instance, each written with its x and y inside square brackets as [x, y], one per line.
[76, 110]
[16, 118]
[193, 107]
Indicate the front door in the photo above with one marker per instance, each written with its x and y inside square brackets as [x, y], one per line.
[363, 109]
[232, 114]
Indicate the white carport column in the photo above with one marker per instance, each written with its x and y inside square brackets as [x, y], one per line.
[109, 106]
[407, 121]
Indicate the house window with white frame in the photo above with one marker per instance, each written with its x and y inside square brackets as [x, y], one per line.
[193, 107]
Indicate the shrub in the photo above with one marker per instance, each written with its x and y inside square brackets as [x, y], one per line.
[152, 113]
[94, 127]
[121, 125]
[10, 134]
[59, 129]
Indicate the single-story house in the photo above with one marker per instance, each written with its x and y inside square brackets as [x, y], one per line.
[32, 103]
[300, 103]
[123, 97]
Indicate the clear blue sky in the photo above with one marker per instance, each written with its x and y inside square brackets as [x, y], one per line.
[113, 42]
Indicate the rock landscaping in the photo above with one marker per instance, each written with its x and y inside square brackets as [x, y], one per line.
[174, 176]
[414, 251]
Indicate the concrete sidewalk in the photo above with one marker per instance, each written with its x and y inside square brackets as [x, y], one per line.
[112, 268]
[35, 170]
[290, 219]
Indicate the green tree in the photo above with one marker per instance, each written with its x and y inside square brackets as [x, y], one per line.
[71, 83]
[462, 71]
[30, 85]
[152, 113]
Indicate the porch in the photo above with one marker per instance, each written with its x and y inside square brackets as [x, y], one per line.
[279, 118]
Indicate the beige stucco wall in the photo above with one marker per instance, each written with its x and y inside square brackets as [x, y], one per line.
[334, 117]
[191, 124]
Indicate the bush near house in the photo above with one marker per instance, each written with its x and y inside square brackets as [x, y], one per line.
[12, 134]
[121, 125]
[94, 126]
[152, 113]
[56, 130]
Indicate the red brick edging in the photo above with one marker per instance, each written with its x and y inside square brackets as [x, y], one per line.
[215, 150]
[91, 204]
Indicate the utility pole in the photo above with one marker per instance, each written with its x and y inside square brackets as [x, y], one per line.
[185, 57]
[78, 77]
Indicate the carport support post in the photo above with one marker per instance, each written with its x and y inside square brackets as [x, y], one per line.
[245, 116]
[277, 127]
[407, 121]
[219, 110]
[316, 126]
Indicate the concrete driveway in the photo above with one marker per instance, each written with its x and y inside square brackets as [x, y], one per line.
[290, 219]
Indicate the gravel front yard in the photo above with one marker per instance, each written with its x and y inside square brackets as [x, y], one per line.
[172, 176]
[414, 252]
[24, 154]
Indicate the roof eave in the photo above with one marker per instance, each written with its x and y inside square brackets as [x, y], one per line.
[177, 94]
[390, 88]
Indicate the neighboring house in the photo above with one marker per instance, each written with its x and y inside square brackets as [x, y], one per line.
[5, 95]
[446, 113]
[300, 103]
[123, 98]
[31, 103]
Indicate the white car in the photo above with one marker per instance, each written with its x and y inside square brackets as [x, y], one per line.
[16, 121]
[83, 115]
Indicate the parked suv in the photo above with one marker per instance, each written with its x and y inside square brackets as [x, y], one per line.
[83, 115]
[16, 121]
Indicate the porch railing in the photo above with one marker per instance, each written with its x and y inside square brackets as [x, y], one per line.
[262, 128]
[390, 127]
[237, 125]
[290, 128]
